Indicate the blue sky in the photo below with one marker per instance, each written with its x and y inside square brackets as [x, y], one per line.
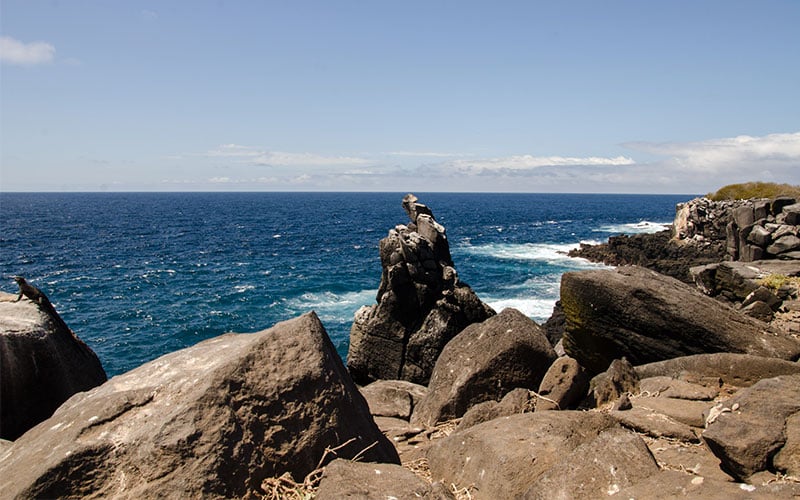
[574, 96]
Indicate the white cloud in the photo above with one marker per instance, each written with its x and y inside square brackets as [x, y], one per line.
[13, 51]
[425, 154]
[283, 159]
[258, 156]
[773, 153]
[233, 151]
[525, 163]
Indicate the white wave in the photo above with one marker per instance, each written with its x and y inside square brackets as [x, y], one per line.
[537, 309]
[331, 306]
[550, 253]
[641, 227]
[243, 288]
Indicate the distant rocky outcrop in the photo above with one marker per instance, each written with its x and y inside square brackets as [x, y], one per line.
[213, 421]
[752, 229]
[421, 304]
[707, 232]
[645, 317]
[658, 251]
[42, 363]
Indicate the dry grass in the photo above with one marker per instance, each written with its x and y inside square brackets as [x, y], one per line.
[754, 190]
[775, 281]
[285, 487]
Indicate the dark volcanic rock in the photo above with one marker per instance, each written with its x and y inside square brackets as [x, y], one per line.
[347, 479]
[658, 252]
[673, 485]
[615, 459]
[746, 438]
[504, 457]
[484, 362]
[393, 398]
[516, 401]
[210, 421]
[620, 378]
[739, 370]
[646, 317]
[422, 304]
[42, 364]
[565, 384]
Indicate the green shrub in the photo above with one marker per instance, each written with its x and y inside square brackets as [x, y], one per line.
[754, 190]
[775, 281]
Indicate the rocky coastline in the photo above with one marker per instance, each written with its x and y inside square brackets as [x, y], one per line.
[677, 372]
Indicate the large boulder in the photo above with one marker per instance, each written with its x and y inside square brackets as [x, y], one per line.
[739, 370]
[484, 362]
[421, 304]
[504, 457]
[213, 420]
[646, 317]
[393, 398]
[42, 364]
[747, 437]
[615, 459]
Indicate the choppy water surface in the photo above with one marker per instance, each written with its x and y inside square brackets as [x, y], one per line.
[139, 275]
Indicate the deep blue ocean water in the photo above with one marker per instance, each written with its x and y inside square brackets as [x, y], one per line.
[138, 275]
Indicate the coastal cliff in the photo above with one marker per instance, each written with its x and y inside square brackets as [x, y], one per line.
[42, 363]
[658, 385]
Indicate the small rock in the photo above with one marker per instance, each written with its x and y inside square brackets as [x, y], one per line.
[348, 479]
[393, 398]
[565, 383]
[759, 310]
[516, 401]
[669, 387]
[763, 294]
[788, 459]
[623, 403]
[784, 244]
[746, 438]
[680, 410]
[671, 484]
[655, 424]
[620, 378]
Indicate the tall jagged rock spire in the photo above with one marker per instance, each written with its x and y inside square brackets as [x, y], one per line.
[421, 304]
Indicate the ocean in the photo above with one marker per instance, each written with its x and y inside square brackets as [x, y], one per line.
[138, 275]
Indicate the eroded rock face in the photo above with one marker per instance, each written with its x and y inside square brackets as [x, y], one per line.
[564, 385]
[485, 362]
[42, 364]
[504, 457]
[740, 370]
[346, 479]
[421, 306]
[754, 430]
[751, 229]
[647, 317]
[212, 420]
[615, 459]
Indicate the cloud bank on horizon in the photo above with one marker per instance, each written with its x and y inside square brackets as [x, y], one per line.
[712, 163]
[279, 96]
